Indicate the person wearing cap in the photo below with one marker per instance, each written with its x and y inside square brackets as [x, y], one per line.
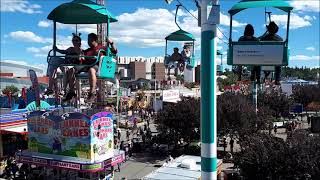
[272, 35]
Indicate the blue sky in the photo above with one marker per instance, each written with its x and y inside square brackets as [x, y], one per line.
[26, 34]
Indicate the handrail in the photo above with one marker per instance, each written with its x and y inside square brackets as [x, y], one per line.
[77, 56]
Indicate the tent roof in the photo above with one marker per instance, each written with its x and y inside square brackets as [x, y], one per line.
[81, 12]
[245, 4]
[180, 35]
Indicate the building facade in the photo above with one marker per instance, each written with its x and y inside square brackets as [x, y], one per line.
[133, 68]
[18, 75]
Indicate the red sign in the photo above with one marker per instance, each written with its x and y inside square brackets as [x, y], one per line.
[65, 165]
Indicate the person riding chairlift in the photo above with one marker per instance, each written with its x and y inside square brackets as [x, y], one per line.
[248, 35]
[186, 57]
[52, 68]
[271, 35]
[175, 58]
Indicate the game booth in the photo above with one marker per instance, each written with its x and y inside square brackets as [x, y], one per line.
[72, 145]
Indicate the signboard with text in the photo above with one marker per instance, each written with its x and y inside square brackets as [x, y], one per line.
[170, 95]
[102, 135]
[257, 54]
[71, 134]
[66, 135]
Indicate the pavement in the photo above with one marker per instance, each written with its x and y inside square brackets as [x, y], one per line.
[138, 166]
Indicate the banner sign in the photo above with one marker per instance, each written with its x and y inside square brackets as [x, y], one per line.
[114, 161]
[94, 167]
[102, 135]
[169, 95]
[258, 54]
[65, 165]
[66, 135]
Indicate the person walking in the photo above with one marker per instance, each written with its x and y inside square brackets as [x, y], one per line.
[275, 129]
[128, 135]
[119, 133]
[224, 144]
[231, 144]
[145, 127]
[122, 145]
[148, 122]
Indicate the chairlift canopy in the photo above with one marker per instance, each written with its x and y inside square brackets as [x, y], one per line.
[180, 35]
[81, 12]
[245, 4]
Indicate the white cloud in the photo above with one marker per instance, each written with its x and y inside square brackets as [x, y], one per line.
[28, 36]
[145, 27]
[296, 21]
[306, 6]
[308, 18]
[225, 20]
[22, 6]
[149, 27]
[44, 23]
[39, 52]
[305, 58]
[311, 48]
[63, 42]
[83, 28]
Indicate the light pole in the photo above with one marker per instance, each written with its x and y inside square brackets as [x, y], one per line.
[155, 95]
[208, 23]
[208, 89]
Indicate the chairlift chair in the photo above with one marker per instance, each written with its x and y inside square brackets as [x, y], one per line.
[259, 52]
[85, 12]
[180, 36]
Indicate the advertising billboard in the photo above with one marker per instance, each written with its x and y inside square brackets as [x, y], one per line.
[71, 134]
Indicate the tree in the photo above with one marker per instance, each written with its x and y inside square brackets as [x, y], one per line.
[180, 120]
[230, 80]
[237, 115]
[10, 89]
[306, 94]
[268, 157]
[276, 101]
[302, 73]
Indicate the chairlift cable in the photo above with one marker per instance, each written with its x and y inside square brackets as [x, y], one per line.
[187, 10]
[222, 33]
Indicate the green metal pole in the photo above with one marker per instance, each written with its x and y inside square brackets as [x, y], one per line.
[208, 98]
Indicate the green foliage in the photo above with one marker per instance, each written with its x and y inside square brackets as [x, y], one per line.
[236, 115]
[302, 73]
[276, 101]
[230, 80]
[145, 87]
[10, 89]
[306, 94]
[180, 120]
[268, 157]
[190, 85]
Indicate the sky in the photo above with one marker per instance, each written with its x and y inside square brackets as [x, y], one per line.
[26, 34]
